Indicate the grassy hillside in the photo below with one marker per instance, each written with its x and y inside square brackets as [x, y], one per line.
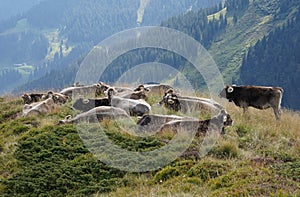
[258, 156]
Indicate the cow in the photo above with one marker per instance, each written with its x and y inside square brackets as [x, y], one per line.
[88, 104]
[152, 122]
[206, 100]
[138, 93]
[38, 108]
[33, 97]
[189, 104]
[200, 127]
[157, 89]
[96, 114]
[89, 90]
[259, 97]
[58, 98]
[78, 84]
[131, 106]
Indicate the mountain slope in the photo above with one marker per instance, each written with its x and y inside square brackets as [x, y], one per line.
[258, 20]
[71, 28]
[228, 33]
[274, 60]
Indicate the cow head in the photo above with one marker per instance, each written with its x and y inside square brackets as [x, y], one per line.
[222, 120]
[101, 88]
[110, 92]
[227, 91]
[68, 119]
[141, 87]
[170, 101]
[59, 98]
[26, 98]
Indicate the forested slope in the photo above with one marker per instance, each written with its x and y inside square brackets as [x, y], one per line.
[227, 31]
[275, 60]
[54, 33]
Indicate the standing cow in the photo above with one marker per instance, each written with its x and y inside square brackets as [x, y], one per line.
[254, 96]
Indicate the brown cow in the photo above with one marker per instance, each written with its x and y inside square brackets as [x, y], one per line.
[96, 114]
[259, 97]
[88, 104]
[33, 97]
[89, 90]
[215, 124]
[138, 93]
[152, 122]
[39, 108]
[190, 104]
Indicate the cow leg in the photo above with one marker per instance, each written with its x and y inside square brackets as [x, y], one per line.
[245, 109]
[277, 112]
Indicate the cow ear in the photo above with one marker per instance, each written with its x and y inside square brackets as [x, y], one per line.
[68, 117]
[85, 101]
[230, 89]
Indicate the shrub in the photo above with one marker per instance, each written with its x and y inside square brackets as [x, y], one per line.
[1, 146]
[249, 181]
[226, 150]
[243, 130]
[54, 162]
[208, 169]
[166, 173]
[290, 170]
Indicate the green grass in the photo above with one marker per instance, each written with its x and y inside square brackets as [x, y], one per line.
[258, 156]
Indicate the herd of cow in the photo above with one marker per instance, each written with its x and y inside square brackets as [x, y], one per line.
[101, 101]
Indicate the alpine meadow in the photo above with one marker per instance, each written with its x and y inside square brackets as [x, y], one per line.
[150, 125]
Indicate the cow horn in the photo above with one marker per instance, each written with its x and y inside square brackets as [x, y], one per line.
[230, 90]
[68, 117]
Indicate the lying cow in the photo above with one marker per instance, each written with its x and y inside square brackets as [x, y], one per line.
[157, 89]
[58, 98]
[152, 122]
[87, 104]
[39, 108]
[33, 98]
[254, 96]
[90, 90]
[131, 106]
[215, 124]
[138, 93]
[190, 105]
[96, 114]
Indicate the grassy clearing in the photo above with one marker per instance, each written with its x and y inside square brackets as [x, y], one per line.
[57, 44]
[258, 156]
[217, 15]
